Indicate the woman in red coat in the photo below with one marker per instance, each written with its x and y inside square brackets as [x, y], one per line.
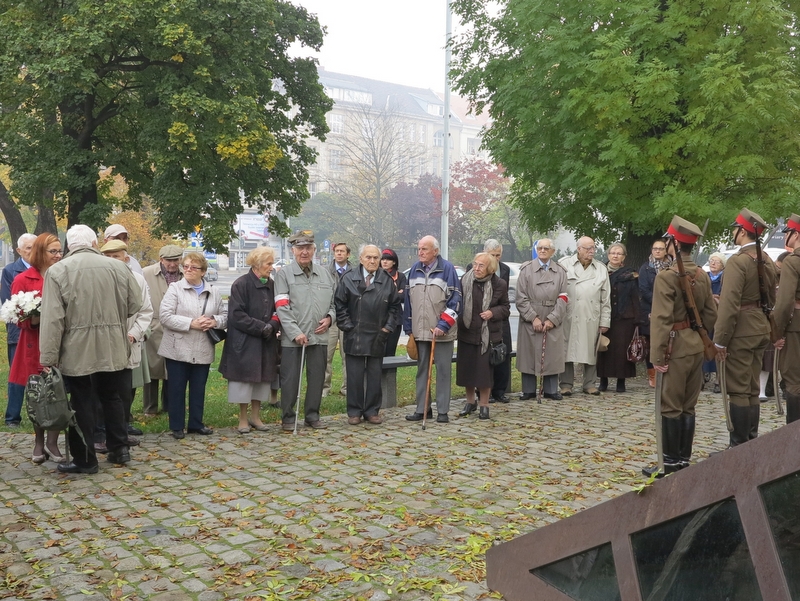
[45, 252]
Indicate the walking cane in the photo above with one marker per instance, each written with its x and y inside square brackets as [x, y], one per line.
[775, 382]
[541, 375]
[428, 386]
[299, 384]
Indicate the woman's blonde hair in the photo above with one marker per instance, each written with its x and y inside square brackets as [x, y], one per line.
[259, 256]
[491, 262]
[195, 257]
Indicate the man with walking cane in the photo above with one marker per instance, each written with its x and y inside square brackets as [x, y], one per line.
[304, 303]
[431, 308]
[542, 305]
[676, 345]
[786, 327]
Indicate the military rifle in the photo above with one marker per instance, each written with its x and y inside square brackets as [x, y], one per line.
[762, 289]
[695, 322]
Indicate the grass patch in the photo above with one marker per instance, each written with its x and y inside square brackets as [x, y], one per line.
[221, 414]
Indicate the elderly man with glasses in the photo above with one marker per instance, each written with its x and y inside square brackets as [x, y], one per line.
[588, 314]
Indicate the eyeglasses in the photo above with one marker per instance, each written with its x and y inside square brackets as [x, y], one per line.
[659, 248]
[56, 251]
[192, 268]
[540, 248]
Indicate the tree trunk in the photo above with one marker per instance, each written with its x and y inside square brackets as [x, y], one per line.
[638, 246]
[11, 212]
[46, 217]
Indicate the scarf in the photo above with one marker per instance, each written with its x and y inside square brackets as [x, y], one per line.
[466, 288]
[659, 265]
[171, 278]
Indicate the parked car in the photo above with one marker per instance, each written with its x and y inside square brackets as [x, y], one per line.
[512, 281]
[212, 275]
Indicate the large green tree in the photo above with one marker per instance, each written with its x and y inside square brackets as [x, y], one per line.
[611, 116]
[198, 104]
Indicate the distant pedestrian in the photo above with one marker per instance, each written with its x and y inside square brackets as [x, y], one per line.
[716, 266]
[431, 308]
[787, 328]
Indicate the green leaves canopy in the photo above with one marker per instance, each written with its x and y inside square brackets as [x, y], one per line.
[197, 104]
[623, 113]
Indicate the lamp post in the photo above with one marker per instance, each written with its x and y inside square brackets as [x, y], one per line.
[445, 227]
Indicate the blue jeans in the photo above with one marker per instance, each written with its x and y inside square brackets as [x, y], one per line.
[16, 393]
[181, 374]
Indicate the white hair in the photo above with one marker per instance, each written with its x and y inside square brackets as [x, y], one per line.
[492, 244]
[25, 237]
[81, 236]
[363, 247]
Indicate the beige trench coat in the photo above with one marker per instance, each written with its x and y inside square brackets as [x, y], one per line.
[589, 308]
[541, 293]
[158, 288]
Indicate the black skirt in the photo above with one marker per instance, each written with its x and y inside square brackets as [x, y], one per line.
[472, 368]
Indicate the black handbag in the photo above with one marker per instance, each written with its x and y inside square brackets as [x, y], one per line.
[497, 353]
[215, 335]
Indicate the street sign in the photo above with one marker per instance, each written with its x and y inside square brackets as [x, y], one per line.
[326, 245]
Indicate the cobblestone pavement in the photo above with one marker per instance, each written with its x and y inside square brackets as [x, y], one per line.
[351, 512]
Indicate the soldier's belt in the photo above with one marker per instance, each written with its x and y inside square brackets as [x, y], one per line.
[681, 325]
[749, 306]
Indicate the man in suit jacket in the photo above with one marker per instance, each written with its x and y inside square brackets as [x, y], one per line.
[339, 267]
[10, 271]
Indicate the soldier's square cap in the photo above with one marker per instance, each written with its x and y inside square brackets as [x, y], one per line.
[302, 238]
[683, 231]
[792, 224]
[750, 221]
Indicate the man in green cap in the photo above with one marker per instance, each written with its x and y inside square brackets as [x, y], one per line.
[676, 350]
[742, 331]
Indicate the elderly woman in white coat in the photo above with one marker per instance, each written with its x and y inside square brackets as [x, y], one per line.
[190, 307]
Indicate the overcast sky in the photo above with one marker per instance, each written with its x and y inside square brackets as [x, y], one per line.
[396, 41]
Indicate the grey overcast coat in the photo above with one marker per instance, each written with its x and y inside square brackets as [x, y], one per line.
[541, 293]
[86, 302]
[248, 356]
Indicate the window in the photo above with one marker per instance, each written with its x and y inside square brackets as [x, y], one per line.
[336, 123]
[436, 109]
[473, 145]
[335, 162]
[345, 95]
[422, 133]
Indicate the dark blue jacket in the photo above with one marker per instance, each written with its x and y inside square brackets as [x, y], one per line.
[11, 271]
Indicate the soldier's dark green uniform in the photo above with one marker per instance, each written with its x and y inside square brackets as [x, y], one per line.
[786, 323]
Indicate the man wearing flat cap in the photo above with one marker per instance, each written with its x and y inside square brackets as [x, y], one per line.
[118, 232]
[158, 278]
[786, 305]
[304, 303]
[676, 350]
[742, 331]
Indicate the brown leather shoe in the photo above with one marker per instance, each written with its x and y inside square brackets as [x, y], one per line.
[375, 419]
[316, 424]
[354, 420]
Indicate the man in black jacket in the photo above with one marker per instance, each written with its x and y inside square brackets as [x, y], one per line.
[367, 310]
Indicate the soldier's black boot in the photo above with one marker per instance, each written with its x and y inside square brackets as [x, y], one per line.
[755, 417]
[687, 438]
[792, 407]
[740, 418]
[670, 443]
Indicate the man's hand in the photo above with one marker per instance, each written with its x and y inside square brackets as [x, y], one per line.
[662, 368]
[603, 330]
[778, 344]
[131, 339]
[548, 325]
[486, 315]
[324, 324]
[722, 353]
[438, 332]
[302, 340]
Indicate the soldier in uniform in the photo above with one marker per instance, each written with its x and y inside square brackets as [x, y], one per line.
[742, 331]
[787, 303]
[676, 350]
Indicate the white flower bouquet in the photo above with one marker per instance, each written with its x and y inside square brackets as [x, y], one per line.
[21, 306]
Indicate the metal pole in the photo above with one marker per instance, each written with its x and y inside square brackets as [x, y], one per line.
[444, 242]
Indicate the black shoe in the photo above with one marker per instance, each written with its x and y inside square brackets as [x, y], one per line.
[442, 418]
[132, 442]
[620, 384]
[204, 431]
[120, 457]
[527, 396]
[100, 447]
[499, 399]
[556, 396]
[178, 434]
[417, 417]
[716, 389]
[468, 408]
[669, 468]
[71, 468]
[134, 431]
[603, 385]
[483, 413]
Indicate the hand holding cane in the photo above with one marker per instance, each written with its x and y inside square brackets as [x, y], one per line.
[299, 384]
[428, 386]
